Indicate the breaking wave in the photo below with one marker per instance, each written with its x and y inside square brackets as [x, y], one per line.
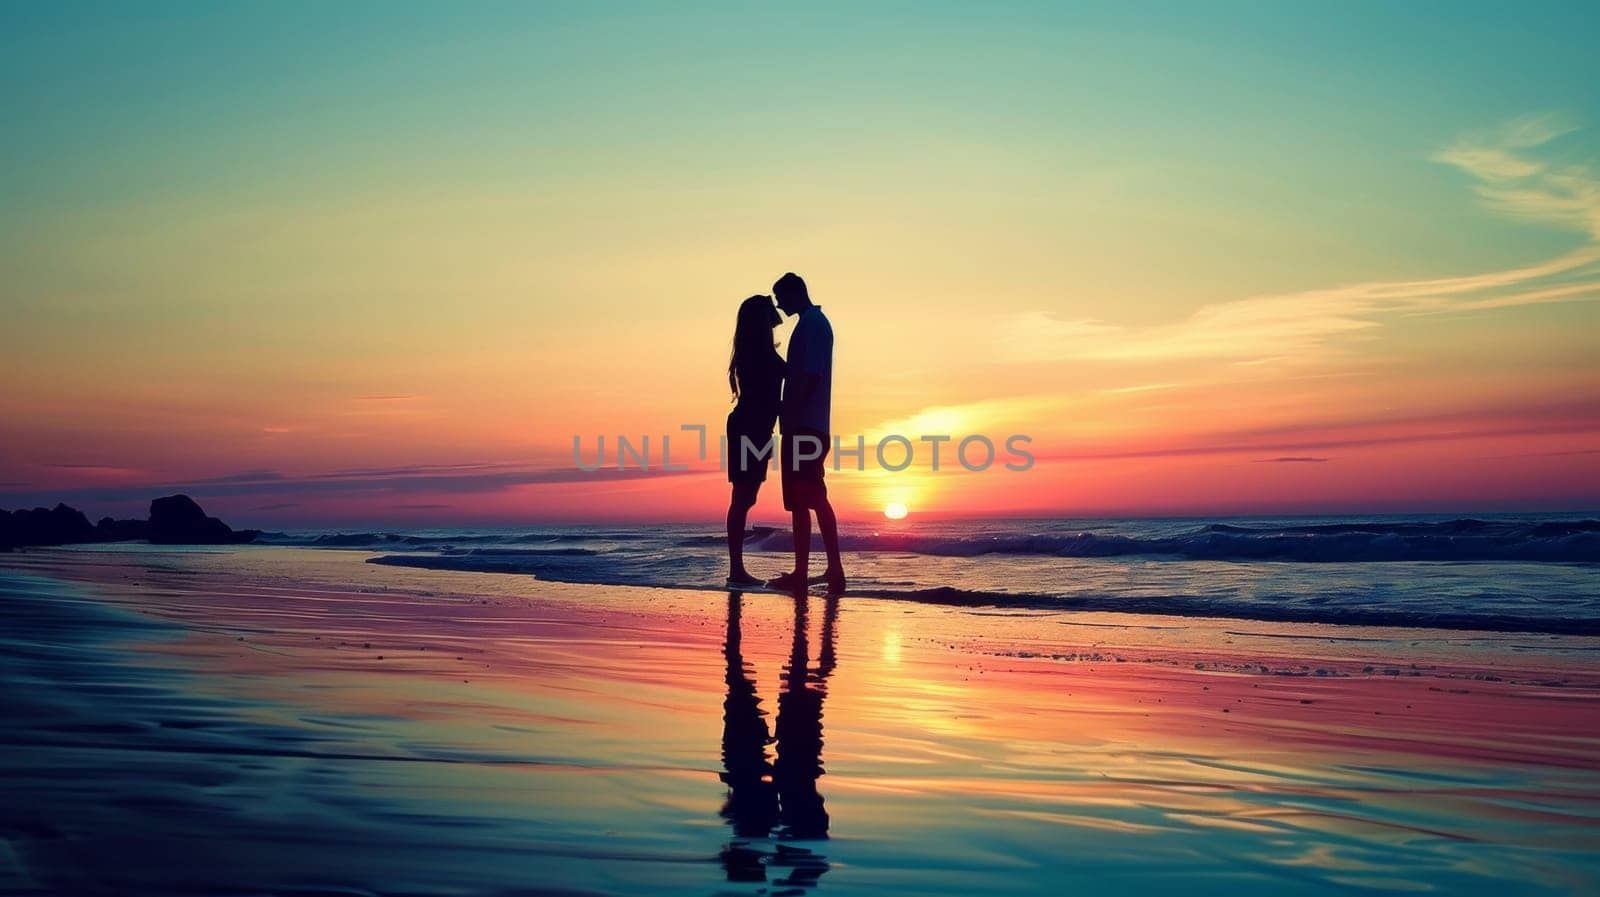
[1455, 540]
[1553, 541]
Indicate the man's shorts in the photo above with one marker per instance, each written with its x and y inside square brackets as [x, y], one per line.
[802, 477]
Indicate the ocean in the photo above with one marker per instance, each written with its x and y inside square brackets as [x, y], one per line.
[1501, 572]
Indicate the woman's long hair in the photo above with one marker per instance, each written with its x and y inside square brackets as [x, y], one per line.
[752, 336]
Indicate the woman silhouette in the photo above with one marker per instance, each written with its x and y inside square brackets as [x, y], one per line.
[755, 375]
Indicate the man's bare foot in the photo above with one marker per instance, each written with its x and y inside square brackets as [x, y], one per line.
[788, 582]
[835, 581]
[742, 578]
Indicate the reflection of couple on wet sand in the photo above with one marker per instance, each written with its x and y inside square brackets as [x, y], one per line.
[777, 796]
[797, 395]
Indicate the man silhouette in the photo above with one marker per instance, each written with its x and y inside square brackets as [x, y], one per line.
[804, 433]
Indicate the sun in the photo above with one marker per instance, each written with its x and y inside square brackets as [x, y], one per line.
[894, 511]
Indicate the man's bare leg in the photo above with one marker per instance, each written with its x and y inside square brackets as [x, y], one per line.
[795, 580]
[829, 525]
[802, 544]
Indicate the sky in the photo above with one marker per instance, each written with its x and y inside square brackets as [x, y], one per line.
[379, 264]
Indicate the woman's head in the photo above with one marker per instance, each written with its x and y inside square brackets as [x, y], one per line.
[752, 335]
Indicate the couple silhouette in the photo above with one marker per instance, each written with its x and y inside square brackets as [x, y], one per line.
[795, 393]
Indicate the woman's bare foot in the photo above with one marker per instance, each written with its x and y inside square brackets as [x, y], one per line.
[742, 578]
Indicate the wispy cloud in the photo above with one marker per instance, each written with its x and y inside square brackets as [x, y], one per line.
[1509, 174]
[1357, 442]
[94, 469]
[243, 476]
[1577, 418]
[1512, 181]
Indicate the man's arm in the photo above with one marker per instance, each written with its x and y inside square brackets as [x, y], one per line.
[804, 383]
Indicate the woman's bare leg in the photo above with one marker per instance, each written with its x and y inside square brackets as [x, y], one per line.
[743, 499]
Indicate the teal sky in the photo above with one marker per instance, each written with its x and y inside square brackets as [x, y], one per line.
[1269, 104]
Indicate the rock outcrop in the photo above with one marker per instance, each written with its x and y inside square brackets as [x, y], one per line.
[59, 525]
[178, 520]
[174, 520]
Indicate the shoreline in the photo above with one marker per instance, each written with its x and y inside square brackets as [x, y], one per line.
[1220, 643]
[1178, 606]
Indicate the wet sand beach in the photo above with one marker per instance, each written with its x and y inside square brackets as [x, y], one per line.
[284, 720]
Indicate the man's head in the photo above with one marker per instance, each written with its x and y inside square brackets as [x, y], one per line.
[790, 292]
